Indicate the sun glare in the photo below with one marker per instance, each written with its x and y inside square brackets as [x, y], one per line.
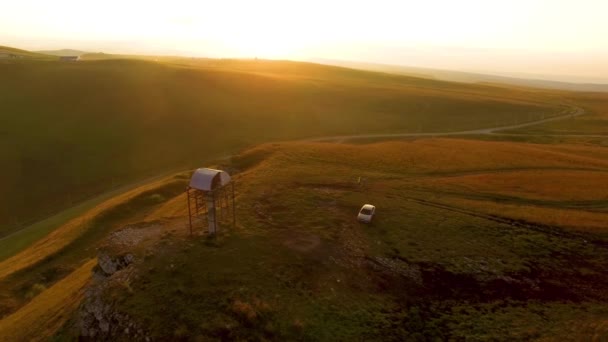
[383, 31]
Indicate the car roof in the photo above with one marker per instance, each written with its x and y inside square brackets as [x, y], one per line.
[368, 206]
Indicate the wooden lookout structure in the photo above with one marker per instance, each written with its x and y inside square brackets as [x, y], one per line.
[211, 196]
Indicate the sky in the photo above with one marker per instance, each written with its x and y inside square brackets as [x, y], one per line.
[559, 39]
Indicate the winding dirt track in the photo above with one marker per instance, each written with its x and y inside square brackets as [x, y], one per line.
[571, 113]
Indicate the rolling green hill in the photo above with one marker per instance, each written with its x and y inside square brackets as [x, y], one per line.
[72, 130]
[24, 53]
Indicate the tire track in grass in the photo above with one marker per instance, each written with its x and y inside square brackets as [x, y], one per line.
[571, 113]
[556, 231]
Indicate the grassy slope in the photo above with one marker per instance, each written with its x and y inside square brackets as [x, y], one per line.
[21, 239]
[596, 123]
[26, 54]
[47, 312]
[95, 124]
[65, 249]
[65, 234]
[300, 267]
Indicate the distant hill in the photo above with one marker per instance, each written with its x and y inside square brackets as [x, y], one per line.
[18, 53]
[63, 52]
[466, 77]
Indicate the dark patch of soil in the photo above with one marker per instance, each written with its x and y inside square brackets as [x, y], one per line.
[301, 242]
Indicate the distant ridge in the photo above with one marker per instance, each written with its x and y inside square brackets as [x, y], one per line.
[437, 74]
[63, 52]
[466, 77]
[22, 53]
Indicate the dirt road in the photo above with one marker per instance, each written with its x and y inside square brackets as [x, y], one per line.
[571, 112]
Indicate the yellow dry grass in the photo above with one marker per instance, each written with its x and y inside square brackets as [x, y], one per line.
[451, 155]
[550, 185]
[67, 233]
[47, 312]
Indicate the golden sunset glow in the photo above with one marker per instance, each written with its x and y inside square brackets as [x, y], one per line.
[393, 32]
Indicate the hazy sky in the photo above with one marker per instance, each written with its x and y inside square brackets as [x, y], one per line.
[547, 37]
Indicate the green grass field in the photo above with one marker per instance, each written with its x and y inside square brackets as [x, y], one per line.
[21, 239]
[444, 259]
[69, 131]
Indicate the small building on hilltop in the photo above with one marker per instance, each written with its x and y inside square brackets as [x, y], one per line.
[209, 179]
[208, 194]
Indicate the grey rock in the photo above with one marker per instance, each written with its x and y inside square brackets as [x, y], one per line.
[110, 265]
[107, 265]
[98, 318]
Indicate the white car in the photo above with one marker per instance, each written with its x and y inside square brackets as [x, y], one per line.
[366, 213]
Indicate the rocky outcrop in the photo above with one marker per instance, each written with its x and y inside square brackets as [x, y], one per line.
[98, 317]
[110, 265]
